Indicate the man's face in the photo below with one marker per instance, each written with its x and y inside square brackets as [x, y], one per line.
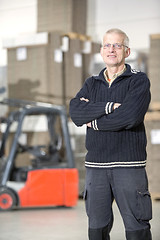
[114, 56]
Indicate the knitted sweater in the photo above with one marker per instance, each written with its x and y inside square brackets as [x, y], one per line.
[117, 138]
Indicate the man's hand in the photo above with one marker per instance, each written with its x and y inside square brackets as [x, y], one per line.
[116, 105]
[84, 99]
[89, 125]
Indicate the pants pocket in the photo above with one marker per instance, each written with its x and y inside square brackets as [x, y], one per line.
[144, 208]
[85, 194]
[85, 198]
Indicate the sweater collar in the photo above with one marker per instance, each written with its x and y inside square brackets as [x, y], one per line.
[124, 74]
[114, 76]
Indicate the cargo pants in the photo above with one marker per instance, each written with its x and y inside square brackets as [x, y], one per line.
[129, 188]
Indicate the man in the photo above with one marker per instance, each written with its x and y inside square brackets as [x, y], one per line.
[113, 106]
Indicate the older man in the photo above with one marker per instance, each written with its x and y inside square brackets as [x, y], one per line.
[113, 105]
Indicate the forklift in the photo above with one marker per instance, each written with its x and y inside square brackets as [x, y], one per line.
[48, 177]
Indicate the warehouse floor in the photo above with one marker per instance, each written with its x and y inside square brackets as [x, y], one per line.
[61, 224]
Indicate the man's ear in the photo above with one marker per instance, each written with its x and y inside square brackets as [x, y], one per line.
[127, 53]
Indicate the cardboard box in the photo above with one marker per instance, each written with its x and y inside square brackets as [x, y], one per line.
[27, 79]
[154, 66]
[52, 71]
[72, 68]
[152, 123]
[34, 73]
[64, 15]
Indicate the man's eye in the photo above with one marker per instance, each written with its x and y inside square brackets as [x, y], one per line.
[117, 45]
[107, 45]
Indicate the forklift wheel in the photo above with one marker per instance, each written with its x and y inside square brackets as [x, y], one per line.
[7, 199]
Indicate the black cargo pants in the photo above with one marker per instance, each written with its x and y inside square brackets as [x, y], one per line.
[129, 188]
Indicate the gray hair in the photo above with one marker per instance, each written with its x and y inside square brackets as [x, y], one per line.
[116, 30]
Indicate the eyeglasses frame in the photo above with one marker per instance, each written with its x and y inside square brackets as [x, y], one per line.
[114, 46]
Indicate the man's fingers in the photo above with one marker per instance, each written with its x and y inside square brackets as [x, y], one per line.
[116, 105]
[84, 99]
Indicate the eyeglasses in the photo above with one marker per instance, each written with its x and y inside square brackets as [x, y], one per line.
[115, 45]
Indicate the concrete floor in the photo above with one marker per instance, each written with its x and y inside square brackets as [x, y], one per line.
[61, 224]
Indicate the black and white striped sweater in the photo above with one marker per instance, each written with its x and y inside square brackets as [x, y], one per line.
[117, 138]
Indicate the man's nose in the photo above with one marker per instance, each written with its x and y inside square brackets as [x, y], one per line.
[111, 48]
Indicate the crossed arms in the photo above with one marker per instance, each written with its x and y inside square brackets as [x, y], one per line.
[125, 115]
[115, 105]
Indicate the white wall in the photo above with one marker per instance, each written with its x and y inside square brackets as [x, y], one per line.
[138, 18]
[16, 17]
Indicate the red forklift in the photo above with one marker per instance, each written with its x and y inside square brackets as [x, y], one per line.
[49, 178]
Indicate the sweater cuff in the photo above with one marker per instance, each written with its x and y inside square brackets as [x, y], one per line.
[94, 124]
[109, 107]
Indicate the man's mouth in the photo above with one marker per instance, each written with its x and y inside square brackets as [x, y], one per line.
[111, 56]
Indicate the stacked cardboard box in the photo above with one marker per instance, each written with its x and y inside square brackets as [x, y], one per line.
[153, 117]
[27, 79]
[152, 123]
[34, 73]
[55, 69]
[77, 62]
[78, 145]
[79, 156]
[72, 69]
[50, 72]
[154, 66]
[65, 15]
[88, 58]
